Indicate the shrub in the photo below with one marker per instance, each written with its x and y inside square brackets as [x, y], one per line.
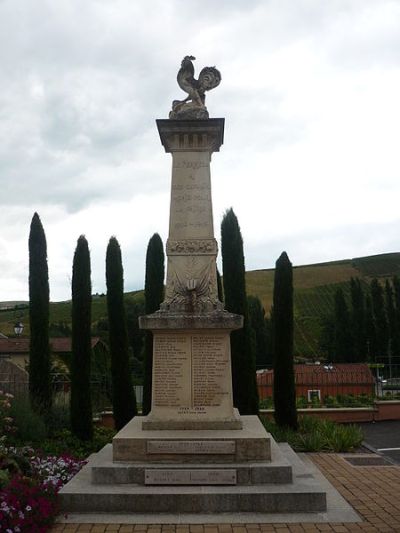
[64, 442]
[30, 426]
[266, 403]
[315, 435]
[7, 426]
[59, 418]
[301, 402]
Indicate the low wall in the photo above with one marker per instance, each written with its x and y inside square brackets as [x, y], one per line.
[382, 410]
[387, 410]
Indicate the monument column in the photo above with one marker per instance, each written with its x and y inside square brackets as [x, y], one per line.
[192, 381]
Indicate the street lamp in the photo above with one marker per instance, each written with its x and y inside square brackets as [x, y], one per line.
[18, 329]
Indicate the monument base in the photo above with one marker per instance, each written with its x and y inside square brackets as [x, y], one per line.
[236, 471]
[136, 444]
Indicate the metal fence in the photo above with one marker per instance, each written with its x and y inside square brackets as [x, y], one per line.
[100, 390]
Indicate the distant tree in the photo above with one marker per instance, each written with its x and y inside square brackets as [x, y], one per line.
[135, 309]
[380, 319]
[343, 338]
[153, 294]
[81, 405]
[284, 382]
[326, 340]
[393, 330]
[245, 394]
[396, 298]
[39, 351]
[358, 321]
[259, 324]
[124, 400]
[370, 329]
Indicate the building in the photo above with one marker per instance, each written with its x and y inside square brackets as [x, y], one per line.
[16, 349]
[318, 381]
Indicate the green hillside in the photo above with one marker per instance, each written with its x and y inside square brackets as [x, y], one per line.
[314, 286]
[314, 289]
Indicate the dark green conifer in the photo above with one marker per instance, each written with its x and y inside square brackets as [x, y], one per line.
[358, 321]
[245, 394]
[284, 381]
[124, 400]
[154, 295]
[39, 351]
[81, 404]
[380, 319]
[343, 337]
[259, 325]
[393, 330]
[370, 329]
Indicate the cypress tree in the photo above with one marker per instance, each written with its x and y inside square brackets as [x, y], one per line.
[259, 325]
[380, 318]
[284, 382]
[245, 394]
[343, 339]
[124, 401]
[153, 295]
[393, 332]
[81, 405]
[358, 321]
[39, 350]
[396, 297]
[370, 331]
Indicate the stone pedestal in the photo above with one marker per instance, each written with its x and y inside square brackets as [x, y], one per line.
[191, 380]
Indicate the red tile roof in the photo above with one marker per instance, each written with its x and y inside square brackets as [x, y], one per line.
[326, 374]
[20, 345]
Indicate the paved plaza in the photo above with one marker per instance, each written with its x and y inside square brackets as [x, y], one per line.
[373, 491]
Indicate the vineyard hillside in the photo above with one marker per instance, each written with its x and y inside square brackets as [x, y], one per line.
[314, 289]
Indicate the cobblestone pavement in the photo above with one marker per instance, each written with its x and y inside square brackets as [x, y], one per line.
[374, 492]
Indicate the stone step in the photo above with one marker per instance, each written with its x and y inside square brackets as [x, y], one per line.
[105, 471]
[304, 495]
[80, 496]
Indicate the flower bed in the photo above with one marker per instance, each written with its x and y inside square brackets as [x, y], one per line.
[29, 480]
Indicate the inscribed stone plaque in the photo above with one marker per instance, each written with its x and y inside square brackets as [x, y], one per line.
[191, 208]
[210, 365]
[191, 446]
[176, 476]
[170, 368]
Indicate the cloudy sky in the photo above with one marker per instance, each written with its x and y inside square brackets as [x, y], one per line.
[310, 93]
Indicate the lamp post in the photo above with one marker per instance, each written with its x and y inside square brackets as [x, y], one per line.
[18, 328]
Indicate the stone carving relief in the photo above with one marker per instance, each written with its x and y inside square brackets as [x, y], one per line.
[191, 286]
[189, 247]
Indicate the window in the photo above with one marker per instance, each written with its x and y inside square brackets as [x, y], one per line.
[314, 394]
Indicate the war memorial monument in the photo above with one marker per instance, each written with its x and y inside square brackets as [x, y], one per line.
[193, 453]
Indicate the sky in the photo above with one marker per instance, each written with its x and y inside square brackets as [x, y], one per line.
[310, 93]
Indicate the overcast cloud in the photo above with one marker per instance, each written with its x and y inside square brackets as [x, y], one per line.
[310, 94]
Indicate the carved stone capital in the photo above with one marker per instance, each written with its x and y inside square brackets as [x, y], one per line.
[192, 247]
[191, 135]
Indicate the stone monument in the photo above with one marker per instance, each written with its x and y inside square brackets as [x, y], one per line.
[193, 453]
[192, 384]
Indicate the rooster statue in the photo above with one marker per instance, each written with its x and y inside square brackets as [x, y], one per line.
[193, 107]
